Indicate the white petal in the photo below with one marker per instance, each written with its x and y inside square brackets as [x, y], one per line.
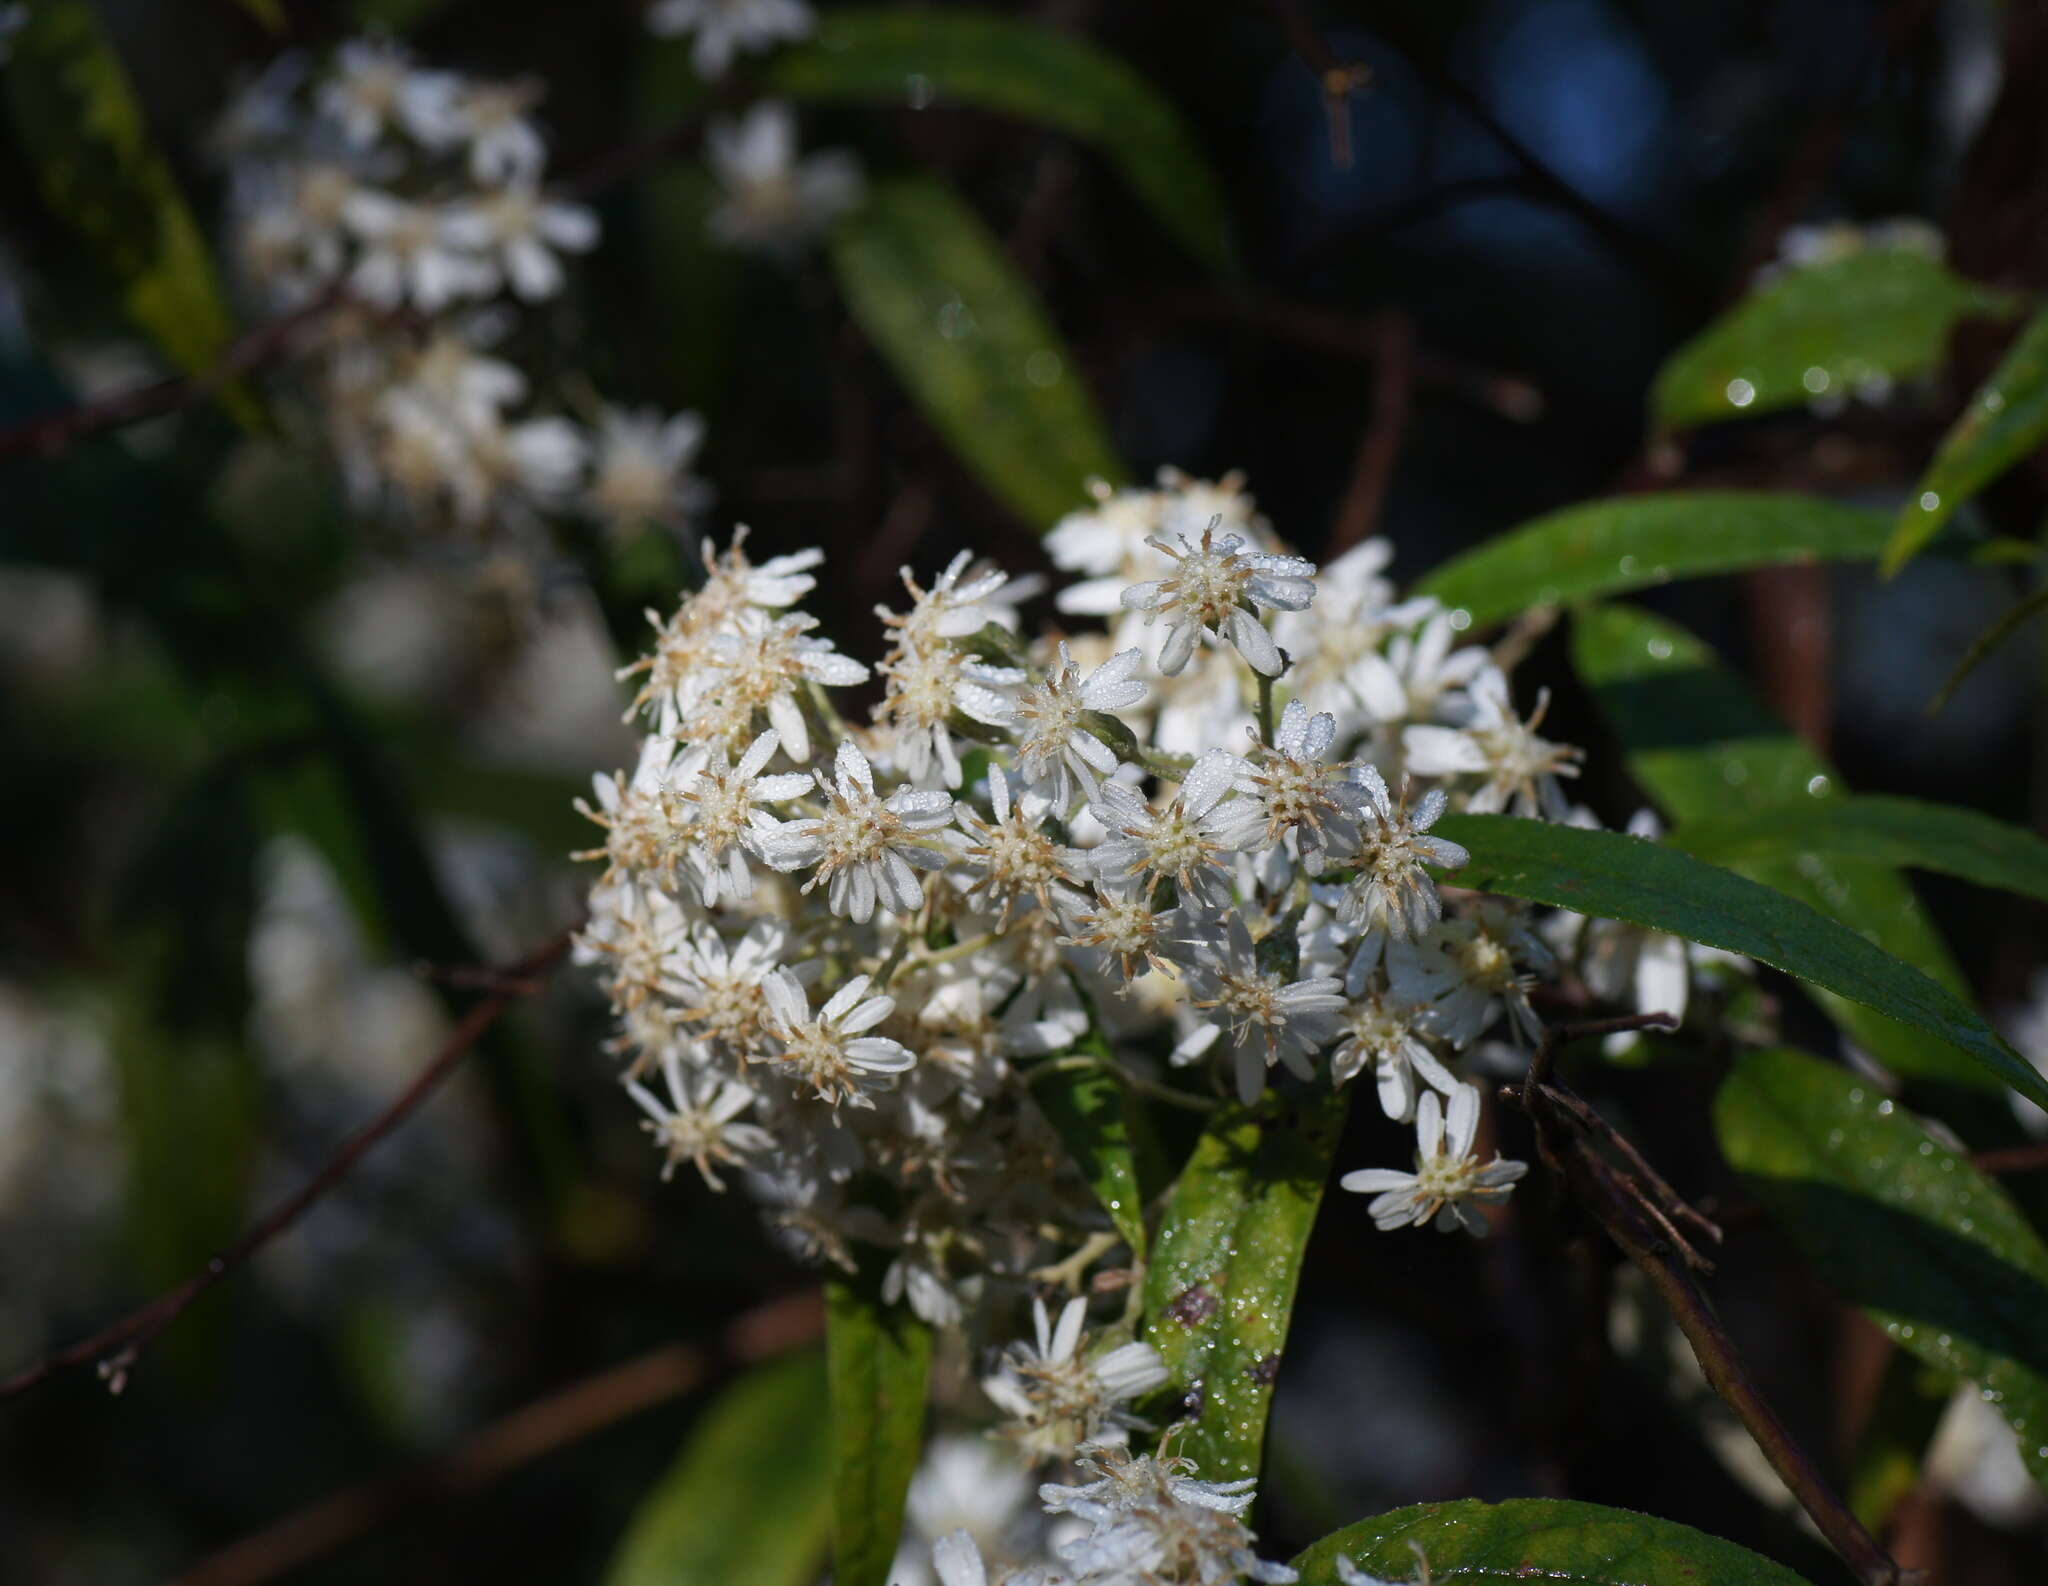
[1254, 643]
[1464, 1119]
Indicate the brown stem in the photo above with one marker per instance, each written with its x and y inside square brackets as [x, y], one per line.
[1379, 448]
[117, 1347]
[1339, 79]
[2013, 1159]
[549, 1423]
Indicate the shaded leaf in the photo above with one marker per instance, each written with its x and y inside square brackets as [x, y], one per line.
[1880, 830]
[1614, 876]
[81, 126]
[1880, 315]
[966, 335]
[878, 1363]
[1538, 1538]
[749, 1498]
[2016, 617]
[2006, 419]
[1089, 1109]
[1606, 547]
[1897, 1222]
[1701, 746]
[1220, 1288]
[928, 57]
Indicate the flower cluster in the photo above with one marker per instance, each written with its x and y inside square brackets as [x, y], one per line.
[841, 950]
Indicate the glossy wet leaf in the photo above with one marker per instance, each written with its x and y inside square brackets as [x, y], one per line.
[930, 57]
[1864, 322]
[1089, 1109]
[2006, 419]
[1632, 542]
[1876, 829]
[1613, 876]
[81, 128]
[1544, 1539]
[761, 1454]
[1220, 1288]
[970, 341]
[1698, 742]
[878, 1365]
[1899, 1224]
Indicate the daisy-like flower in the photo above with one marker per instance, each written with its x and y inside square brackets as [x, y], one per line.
[1385, 1035]
[1182, 843]
[727, 28]
[1211, 593]
[759, 669]
[640, 815]
[1468, 969]
[1449, 1182]
[640, 470]
[957, 1561]
[1118, 918]
[406, 255]
[1520, 769]
[698, 1122]
[1266, 1017]
[517, 234]
[494, 119]
[963, 599]
[1013, 856]
[1059, 1399]
[1292, 798]
[718, 988]
[1055, 749]
[1108, 543]
[773, 200]
[867, 849]
[1150, 1521]
[374, 88]
[926, 686]
[721, 815]
[1393, 893]
[1420, 672]
[832, 1053]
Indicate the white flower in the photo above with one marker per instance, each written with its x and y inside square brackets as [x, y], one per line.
[1291, 797]
[1182, 843]
[1119, 918]
[926, 686]
[517, 233]
[864, 846]
[773, 200]
[1057, 1398]
[726, 28]
[831, 1053]
[1468, 969]
[640, 473]
[1149, 1521]
[719, 987]
[1385, 1035]
[1392, 892]
[1520, 768]
[722, 821]
[374, 88]
[963, 600]
[1266, 1016]
[1013, 856]
[407, 257]
[505, 147]
[958, 1561]
[1448, 1181]
[1108, 542]
[1419, 673]
[758, 670]
[1209, 594]
[1055, 749]
[697, 1122]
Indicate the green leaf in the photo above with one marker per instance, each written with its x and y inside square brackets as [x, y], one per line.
[968, 338]
[878, 1362]
[1220, 1287]
[1882, 314]
[80, 125]
[1089, 1109]
[2016, 617]
[1611, 875]
[1507, 1544]
[1880, 830]
[1899, 1224]
[750, 1497]
[1633, 542]
[1701, 746]
[931, 57]
[2006, 419]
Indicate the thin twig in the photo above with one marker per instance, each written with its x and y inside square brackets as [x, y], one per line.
[2013, 1159]
[116, 1348]
[555, 1421]
[1386, 428]
[1339, 79]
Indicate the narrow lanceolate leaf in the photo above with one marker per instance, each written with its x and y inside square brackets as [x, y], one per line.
[1220, 1287]
[946, 57]
[968, 338]
[1702, 747]
[1606, 547]
[81, 127]
[2016, 617]
[1508, 1544]
[1886, 831]
[1901, 1225]
[1611, 875]
[749, 1498]
[878, 1362]
[1875, 317]
[1089, 1109]
[2006, 419]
